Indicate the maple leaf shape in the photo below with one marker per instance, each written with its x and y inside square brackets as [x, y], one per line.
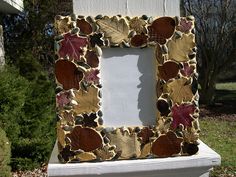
[181, 47]
[66, 153]
[182, 115]
[62, 99]
[179, 90]
[187, 70]
[95, 39]
[72, 45]
[184, 25]
[87, 100]
[89, 120]
[92, 76]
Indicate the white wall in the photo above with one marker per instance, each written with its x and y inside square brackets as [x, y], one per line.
[128, 74]
[127, 7]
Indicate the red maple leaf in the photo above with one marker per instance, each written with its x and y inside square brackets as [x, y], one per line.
[62, 99]
[72, 46]
[187, 70]
[92, 76]
[182, 115]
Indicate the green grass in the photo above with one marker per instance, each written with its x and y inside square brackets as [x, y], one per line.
[221, 136]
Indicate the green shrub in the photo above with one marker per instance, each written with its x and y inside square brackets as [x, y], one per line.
[5, 153]
[27, 112]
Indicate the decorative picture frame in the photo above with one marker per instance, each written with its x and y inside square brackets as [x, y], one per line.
[80, 130]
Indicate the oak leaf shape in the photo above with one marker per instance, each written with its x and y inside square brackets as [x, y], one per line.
[182, 115]
[181, 47]
[125, 142]
[85, 139]
[87, 100]
[167, 145]
[72, 46]
[115, 29]
[179, 90]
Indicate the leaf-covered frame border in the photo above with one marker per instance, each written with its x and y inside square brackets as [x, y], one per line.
[80, 130]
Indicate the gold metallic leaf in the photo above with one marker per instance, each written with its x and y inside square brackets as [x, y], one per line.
[179, 90]
[125, 142]
[62, 25]
[137, 24]
[181, 47]
[86, 156]
[146, 150]
[105, 153]
[115, 29]
[87, 101]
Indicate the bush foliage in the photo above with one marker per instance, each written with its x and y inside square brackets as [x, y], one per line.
[5, 153]
[27, 113]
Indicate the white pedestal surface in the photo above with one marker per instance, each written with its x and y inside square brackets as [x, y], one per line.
[185, 166]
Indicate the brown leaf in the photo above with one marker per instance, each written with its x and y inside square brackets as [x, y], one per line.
[85, 139]
[145, 134]
[179, 90]
[167, 145]
[161, 29]
[139, 40]
[92, 59]
[115, 29]
[67, 74]
[87, 101]
[84, 26]
[168, 70]
[181, 47]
